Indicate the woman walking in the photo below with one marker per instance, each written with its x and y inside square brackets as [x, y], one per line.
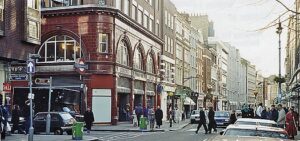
[88, 119]
[158, 117]
[290, 124]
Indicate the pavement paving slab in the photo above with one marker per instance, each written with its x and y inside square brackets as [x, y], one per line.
[20, 137]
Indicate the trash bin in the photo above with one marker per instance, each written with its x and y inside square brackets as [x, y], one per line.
[143, 123]
[77, 131]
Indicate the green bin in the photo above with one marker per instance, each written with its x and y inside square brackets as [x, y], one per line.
[77, 131]
[143, 123]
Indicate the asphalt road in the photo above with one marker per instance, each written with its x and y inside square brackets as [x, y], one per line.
[185, 134]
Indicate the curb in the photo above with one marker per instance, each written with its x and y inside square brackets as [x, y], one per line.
[176, 129]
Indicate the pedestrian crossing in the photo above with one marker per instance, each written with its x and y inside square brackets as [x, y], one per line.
[121, 136]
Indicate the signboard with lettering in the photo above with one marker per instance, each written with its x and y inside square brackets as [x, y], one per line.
[18, 77]
[7, 87]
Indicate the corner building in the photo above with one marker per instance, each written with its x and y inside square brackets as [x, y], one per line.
[120, 43]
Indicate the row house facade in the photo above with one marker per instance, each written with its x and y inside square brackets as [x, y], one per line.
[119, 44]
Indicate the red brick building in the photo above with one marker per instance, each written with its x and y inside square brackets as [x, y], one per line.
[120, 46]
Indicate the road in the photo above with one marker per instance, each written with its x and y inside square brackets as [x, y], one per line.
[188, 134]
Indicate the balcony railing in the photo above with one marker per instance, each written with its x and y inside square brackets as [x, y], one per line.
[68, 3]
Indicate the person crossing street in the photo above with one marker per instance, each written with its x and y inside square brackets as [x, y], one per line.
[202, 121]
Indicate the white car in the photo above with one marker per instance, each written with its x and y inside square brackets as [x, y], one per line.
[261, 122]
[254, 131]
[242, 138]
[195, 116]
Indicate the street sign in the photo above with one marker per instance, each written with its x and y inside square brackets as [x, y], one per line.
[30, 66]
[80, 66]
[18, 77]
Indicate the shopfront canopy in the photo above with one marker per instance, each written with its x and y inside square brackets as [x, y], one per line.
[189, 101]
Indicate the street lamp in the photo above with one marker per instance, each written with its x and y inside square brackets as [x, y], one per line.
[279, 31]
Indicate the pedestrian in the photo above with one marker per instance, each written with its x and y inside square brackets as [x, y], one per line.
[26, 114]
[211, 118]
[259, 111]
[158, 117]
[127, 112]
[88, 119]
[232, 118]
[202, 121]
[151, 118]
[281, 116]
[170, 116]
[145, 112]
[134, 118]
[273, 114]
[4, 121]
[15, 119]
[264, 113]
[296, 116]
[139, 113]
[250, 112]
[291, 124]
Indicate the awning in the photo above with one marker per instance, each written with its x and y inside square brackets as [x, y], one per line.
[189, 101]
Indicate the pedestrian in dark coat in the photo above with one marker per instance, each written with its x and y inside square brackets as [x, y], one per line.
[139, 113]
[202, 121]
[158, 117]
[232, 118]
[4, 121]
[211, 118]
[264, 113]
[15, 119]
[88, 119]
[273, 114]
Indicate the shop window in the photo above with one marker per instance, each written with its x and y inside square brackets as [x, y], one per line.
[103, 43]
[60, 49]
[34, 4]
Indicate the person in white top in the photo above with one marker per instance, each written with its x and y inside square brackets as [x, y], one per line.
[281, 116]
[259, 110]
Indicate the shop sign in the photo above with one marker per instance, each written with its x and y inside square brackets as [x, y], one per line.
[122, 70]
[18, 77]
[17, 69]
[7, 87]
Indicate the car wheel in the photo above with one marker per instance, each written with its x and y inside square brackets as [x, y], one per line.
[58, 132]
[69, 132]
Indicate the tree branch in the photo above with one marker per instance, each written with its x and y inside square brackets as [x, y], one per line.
[287, 7]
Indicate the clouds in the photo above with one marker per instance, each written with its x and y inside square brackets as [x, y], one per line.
[235, 21]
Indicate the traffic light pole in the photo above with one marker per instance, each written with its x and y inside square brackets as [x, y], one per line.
[48, 123]
[30, 136]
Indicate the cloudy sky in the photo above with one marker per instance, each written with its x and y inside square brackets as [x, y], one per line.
[238, 21]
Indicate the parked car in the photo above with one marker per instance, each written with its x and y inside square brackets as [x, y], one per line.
[254, 130]
[77, 116]
[222, 118]
[243, 138]
[60, 122]
[250, 121]
[195, 116]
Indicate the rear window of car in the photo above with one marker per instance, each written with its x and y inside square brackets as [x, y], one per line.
[260, 133]
[222, 114]
[66, 116]
[254, 123]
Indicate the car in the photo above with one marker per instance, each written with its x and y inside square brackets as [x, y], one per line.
[222, 118]
[244, 138]
[250, 121]
[60, 122]
[236, 130]
[74, 114]
[195, 116]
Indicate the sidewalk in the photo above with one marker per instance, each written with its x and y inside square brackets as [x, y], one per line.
[21, 137]
[127, 127]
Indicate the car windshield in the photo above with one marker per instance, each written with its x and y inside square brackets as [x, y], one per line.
[222, 114]
[66, 116]
[248, 132]
[195, 112]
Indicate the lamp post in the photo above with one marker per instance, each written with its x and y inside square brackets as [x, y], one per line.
[279, 31]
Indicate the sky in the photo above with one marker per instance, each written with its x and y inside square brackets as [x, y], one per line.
[238, 22]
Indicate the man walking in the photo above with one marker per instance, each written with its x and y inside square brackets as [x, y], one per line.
[139, 113]
[88, 119]
[158, 117]
[211, 119]
[259, 111]
[281, 116]
[202, 121]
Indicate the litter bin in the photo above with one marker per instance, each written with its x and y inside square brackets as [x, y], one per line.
[143, 123]
[77, 131]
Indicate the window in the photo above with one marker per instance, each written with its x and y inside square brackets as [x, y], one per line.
[151, 24]
[33, 4]
[172, 46]
[150, 66]
[157, 28]
[166, 17]
[166, 43]
[59, 49]
[138, 60]
[1, 15]
[133, 13]
[146, 21]
[103, 43]
[33, 29]
[168, 49]
[157, 4]
[140, 16]
[119, 4]
[179, 51]
[171, 22]
[126, 7]
[122, 54]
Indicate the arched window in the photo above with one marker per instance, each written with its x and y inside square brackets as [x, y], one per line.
[150, 64]
[138, 60]
[122, 54]
[61, 48]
